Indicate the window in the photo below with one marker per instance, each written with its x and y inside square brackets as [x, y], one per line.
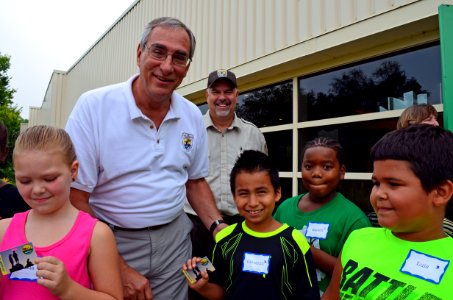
[356, 138]
[388, 83]
[377, 86]
[267, 106]
[280, 148]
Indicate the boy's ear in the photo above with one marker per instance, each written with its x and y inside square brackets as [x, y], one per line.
[443, 193]
[278, 194]
[342, 171]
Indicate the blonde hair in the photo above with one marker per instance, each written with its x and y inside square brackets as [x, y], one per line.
[415, 114]
[44, 138]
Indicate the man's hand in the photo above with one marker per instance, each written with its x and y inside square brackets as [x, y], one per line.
[135, 285]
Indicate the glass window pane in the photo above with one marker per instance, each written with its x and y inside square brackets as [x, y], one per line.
[287, 187]
[267, 106]
[203, 107]
[280, 147]
[356, 139]
[358, 191]
[392, 82]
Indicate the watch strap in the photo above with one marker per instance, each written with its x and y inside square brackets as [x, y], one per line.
[215, 224]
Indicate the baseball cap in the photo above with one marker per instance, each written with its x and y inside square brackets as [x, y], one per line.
[222, 74]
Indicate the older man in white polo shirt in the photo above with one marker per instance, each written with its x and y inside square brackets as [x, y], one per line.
[143, 151]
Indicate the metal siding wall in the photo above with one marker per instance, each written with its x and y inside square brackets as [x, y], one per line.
[229, 34]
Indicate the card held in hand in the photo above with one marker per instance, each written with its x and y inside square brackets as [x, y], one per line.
[195, 274]
[19, 262]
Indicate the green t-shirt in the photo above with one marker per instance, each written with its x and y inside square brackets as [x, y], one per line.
[378, 265]
[330, 225]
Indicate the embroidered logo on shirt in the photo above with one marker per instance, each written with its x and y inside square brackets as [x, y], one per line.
[187, 141]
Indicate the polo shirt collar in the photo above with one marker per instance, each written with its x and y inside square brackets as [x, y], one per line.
[175, 111]
[134, 111]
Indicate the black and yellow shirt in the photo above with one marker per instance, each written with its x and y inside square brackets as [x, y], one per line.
[272, 265]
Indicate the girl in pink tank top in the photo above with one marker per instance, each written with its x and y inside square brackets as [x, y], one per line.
[77, 256]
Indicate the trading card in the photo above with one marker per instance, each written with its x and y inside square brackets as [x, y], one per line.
[18, 262]
[195, 274]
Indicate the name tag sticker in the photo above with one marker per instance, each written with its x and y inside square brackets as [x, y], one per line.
[256, 263]
[317, 230]
[425, 266]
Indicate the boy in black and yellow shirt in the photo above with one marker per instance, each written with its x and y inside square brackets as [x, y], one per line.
[259, 258]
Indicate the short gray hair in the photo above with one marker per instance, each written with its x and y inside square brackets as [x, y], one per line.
[168, 22]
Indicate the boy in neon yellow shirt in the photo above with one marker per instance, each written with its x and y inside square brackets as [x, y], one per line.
[409, 258]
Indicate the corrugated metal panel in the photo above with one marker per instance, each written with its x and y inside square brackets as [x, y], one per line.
[229, 34]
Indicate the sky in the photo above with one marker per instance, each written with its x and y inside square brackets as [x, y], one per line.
[41, 36]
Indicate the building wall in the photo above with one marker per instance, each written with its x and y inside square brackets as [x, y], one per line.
[260, 40]
[50, 111]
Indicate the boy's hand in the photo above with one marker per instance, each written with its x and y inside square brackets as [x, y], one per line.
[192, 265]
[52, 275]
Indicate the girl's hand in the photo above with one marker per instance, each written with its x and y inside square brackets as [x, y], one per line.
[52, 275]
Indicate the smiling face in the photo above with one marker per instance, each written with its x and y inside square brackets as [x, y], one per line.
[321, 173]
[255, 199]
[399, 200]
[222, 99]
[158, 79]
[44, 179]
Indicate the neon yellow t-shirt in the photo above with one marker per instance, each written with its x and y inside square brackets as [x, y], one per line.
[378, 265]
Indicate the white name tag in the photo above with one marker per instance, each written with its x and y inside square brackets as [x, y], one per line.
[317, 230]
[256, 263]
[424, 266]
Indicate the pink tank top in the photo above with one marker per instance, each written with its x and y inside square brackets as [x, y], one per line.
[73, 250]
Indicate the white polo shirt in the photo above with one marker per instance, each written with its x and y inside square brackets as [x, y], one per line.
[136, 174]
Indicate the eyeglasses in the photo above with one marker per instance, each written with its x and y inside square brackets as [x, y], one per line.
[161, 53]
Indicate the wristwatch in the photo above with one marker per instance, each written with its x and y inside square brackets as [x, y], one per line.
[215, 224]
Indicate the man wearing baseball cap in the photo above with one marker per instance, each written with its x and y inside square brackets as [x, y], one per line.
[222, 75]
[228, 136]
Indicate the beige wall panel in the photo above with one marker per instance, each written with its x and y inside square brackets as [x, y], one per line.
[50, 111]
[245, 35]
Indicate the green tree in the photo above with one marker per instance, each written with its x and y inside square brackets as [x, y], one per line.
[9, 115]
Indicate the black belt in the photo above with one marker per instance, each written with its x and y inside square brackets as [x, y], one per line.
[147, 228]
[228, 219]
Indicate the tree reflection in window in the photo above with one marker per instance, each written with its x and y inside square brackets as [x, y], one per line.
[268, 106]
[384, 84]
